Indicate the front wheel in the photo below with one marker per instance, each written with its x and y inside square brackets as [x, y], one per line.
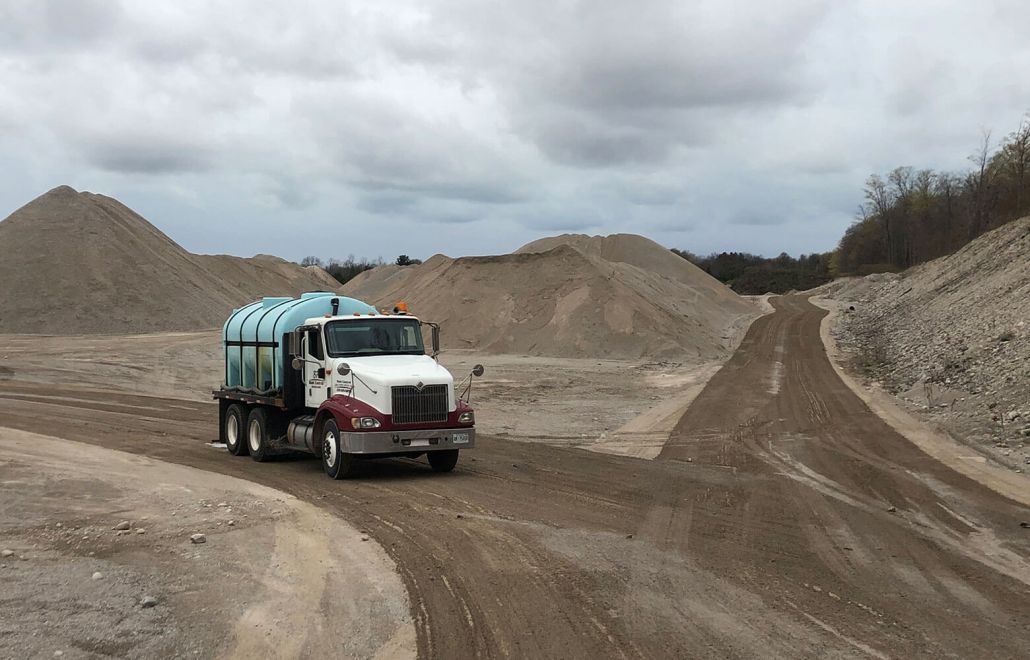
[336, 464]
[443, 461]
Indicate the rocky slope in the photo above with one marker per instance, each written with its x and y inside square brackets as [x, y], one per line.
[952, 337]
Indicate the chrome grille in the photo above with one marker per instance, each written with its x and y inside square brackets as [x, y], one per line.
[411, 406]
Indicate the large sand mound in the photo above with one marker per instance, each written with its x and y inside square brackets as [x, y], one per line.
[74, 262]
[643, 253]
[618, 297]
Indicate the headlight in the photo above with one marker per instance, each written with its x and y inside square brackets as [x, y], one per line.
[467, 417]
[365, 422]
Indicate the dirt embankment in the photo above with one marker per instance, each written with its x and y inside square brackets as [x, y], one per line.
[951, 339]
[263, 582]
[782, 517]
[79, 263]
[618, 297]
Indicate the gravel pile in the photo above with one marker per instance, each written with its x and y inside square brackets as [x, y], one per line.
[571, 296]
[952, 337]
[80, 263]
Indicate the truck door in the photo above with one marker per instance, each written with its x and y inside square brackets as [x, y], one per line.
[315, 381]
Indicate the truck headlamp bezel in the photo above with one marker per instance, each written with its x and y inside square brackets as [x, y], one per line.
[467, 417]
[364, 423]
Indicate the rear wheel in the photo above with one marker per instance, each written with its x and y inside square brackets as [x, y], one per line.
[257, 435]
[235, 418]
[443, 461]
[336, 464]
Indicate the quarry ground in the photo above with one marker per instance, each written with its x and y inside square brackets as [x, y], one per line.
[609, 405]
[74, 585]
[782, 518]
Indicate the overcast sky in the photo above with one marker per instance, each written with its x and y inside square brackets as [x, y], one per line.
[471, 127]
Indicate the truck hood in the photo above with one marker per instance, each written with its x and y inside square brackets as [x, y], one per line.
[376, 375]
[398, 369]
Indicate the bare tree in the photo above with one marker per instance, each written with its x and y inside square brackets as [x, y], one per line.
[923, 207]
[1018, 151]
[902, 183]
[978, 182]
[946, 189]
[879, 204]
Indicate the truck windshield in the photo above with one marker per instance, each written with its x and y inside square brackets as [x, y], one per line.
[374, 337]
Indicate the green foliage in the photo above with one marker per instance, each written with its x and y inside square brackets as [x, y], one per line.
[405, 260]
[346, 269]
[343, 270]
[911, 216]
[752, 274]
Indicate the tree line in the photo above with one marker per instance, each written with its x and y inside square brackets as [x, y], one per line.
[753, 274]
[345, 270]
[908, 216]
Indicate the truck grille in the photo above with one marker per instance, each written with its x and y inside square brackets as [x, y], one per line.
[411, 406]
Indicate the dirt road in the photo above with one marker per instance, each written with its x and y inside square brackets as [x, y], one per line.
[782, 519]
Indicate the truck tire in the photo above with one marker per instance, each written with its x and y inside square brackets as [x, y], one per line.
[257, 434]
[443, 461]
[336, 464]
[234, 422]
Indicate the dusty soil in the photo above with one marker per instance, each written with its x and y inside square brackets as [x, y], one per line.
[177, 364]
[782, 519]
[620, 406]
[951, 340]
[76, 262]
[617, 406]
[615, 297]
[262, 585]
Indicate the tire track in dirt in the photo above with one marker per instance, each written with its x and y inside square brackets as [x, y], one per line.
[762, 530]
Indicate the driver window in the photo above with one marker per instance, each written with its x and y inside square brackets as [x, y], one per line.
[314, 343]
[381, 339]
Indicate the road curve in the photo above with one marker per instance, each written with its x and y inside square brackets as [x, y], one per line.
[782, 519]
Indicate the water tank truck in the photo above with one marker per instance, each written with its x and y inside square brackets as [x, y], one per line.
[333, 376]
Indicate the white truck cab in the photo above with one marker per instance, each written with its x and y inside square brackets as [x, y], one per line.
[344, 385]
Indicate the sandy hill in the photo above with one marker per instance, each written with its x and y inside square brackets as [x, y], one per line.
[618, 297]
[637, 251]
[74, 262]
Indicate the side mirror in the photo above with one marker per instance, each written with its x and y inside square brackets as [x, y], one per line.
[478, 370]
[343, 368]
[297, 364]
[436, 340]
[295, 344]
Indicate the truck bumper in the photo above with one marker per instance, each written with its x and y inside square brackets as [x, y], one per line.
[391, 442]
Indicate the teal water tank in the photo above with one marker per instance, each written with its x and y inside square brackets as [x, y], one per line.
[253, 337]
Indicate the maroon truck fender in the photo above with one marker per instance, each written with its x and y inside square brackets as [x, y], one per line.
[343, 409]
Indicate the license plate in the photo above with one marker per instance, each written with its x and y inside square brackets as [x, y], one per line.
[460, 438]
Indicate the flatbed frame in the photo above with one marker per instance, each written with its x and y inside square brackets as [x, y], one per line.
[232, 395]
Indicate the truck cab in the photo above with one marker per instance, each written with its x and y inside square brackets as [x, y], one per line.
[352, 385]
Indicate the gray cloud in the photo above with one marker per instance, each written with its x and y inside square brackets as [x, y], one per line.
[51, 25]
[604, 85]
[477, 126]
[757, 220]
[563, 224]
[145, 154]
